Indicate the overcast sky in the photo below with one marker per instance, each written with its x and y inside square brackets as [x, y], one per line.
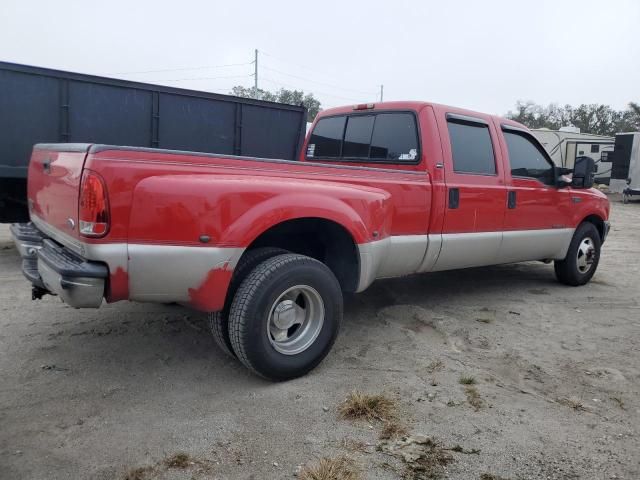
[484, 55]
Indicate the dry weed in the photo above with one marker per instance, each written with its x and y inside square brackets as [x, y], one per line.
[359, 405]
[338, 468]
[473, 397]
[393, 429]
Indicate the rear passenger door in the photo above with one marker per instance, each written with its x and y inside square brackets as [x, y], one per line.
[476, 194]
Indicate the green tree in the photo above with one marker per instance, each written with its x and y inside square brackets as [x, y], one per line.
[593, 118]
[632, 117]
[290, 97]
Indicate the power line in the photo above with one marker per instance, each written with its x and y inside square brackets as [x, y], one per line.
[282, 84]
[182, 69]
[293, 63]
[319, 83]
[199, 78]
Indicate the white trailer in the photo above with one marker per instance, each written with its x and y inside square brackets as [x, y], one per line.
[566, 144]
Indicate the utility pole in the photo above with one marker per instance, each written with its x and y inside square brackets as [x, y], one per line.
[381, 92]
[255, 74]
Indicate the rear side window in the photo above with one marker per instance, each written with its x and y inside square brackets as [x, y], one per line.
[527, 159]
[326, 139]
[371, 137]
[471, 148]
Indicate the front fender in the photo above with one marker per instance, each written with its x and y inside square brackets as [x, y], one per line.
[588, 203]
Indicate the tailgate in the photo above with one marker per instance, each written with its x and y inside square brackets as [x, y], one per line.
[55, 171]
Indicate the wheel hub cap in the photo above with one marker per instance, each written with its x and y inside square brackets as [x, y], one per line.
[586, 255]
[295, 319]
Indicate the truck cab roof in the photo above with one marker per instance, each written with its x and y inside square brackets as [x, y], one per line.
[415, 106]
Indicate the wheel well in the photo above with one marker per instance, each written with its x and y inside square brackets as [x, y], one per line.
[598, 222]
[324, 240]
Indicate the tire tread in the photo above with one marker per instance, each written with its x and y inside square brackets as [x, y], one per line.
[219, 321]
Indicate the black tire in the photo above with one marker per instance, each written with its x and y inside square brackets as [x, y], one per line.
[567, 270]
[250, 311]
[219, 321]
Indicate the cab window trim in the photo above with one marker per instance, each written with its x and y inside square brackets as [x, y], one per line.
[375, 113]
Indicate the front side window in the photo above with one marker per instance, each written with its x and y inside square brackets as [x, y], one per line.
[471, 148]
[528, 159]
[371, 137]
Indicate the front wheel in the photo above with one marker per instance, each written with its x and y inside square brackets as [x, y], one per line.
[285, 316]
[582, 258]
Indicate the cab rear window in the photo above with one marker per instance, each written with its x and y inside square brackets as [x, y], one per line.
[390, 137]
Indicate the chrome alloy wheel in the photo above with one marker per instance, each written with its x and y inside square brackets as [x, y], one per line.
[295, 319]
[585, 255]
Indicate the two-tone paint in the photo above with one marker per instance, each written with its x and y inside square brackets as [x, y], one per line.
[180, 221]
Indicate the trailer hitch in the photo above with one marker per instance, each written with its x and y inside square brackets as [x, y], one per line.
[38, 292]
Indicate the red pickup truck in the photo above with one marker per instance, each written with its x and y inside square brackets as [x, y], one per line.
[269, 246]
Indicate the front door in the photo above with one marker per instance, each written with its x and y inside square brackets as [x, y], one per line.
[536, 220]
[476, 195]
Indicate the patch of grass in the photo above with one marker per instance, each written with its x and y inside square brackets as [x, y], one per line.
[139, 473]
[473, 397]
[178, 460]
[338, 468]
[359, 405]
[393, 429]
[572, 403]
[435, 366]
[467, 380]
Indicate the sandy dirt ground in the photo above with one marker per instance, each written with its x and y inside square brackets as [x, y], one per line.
[90, 394]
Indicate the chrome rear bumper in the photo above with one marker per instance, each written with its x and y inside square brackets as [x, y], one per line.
[53, 268]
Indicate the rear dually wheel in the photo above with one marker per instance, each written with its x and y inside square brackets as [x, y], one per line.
[285, 316]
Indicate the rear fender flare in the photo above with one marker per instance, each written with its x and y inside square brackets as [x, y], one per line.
[373, 216]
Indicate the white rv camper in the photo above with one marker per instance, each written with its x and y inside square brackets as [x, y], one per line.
[566, 144]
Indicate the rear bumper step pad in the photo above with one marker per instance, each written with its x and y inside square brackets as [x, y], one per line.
[50, 266]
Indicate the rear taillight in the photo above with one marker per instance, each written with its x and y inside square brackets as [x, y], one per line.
[93, 215]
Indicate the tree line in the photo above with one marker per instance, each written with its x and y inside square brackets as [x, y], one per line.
[589, 118]
[291, 97]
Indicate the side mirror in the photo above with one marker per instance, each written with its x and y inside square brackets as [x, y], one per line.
[583, 173]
